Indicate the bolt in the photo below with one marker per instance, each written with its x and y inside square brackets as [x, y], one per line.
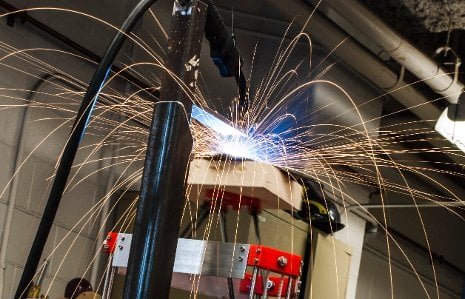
[242, 248]
[282, 261]
[123, 238]
[241, 259]
[269, 284]
[108, 237]
[106, 246]
[120, 247]
[258, 250]
[256, 260]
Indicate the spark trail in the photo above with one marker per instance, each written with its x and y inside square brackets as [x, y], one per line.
[281, 128]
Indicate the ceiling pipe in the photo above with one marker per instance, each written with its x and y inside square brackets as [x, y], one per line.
[357, 57]
[439, 204]
[397, 47]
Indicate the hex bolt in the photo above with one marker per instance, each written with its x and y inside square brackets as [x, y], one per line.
[106, 246]
[270, 284]
[241, 259]
[120, 247]
[108, 237]
[242, 248]
[282, 261]
[256, 260]
[123, 238]
[258, 250]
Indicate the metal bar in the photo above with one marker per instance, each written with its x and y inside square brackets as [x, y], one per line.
[198, 257]
[161, 198]
[71, 147]
[265, 284]
[289, 288]
[224, 238]
[160, 204]
[281, 284]
[253, 283]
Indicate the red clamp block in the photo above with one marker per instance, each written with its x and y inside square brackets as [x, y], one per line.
[110, 242]
[229, 199]
[274, 260]
[273, 285]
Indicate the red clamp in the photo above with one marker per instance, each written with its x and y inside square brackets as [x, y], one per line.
[110, 242]
[229, 199]
[274, 260]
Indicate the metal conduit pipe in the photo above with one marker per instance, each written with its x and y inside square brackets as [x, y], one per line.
[357, 57]
[403, 205]
[419, 64]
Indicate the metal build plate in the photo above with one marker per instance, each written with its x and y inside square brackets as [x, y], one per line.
[273, 188]
[211, 258]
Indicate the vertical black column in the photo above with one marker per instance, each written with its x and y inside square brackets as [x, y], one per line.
[156, 229]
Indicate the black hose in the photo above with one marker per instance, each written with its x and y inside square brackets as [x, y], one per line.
[72, 145]
[224, 53]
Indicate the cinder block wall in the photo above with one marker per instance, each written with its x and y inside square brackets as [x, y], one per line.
[71, 243]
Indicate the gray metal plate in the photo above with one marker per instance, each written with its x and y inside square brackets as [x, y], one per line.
[199, 257]
[211, 258]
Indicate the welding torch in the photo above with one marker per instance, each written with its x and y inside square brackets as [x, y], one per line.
[224, 52]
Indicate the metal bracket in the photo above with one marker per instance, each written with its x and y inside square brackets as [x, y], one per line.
[455, 63]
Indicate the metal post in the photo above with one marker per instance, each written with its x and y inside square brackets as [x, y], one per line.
[161, 199]
[224, 238]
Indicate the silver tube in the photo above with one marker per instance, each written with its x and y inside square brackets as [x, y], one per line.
[253, 283]
[422, 66]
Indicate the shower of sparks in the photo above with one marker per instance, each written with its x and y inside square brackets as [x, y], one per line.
[321, 149]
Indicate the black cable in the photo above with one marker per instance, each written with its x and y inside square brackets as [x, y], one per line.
[72, 145]
[224, 53]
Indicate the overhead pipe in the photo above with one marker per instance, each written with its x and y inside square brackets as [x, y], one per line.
[357, 57]
[438, 204]
[398, 48]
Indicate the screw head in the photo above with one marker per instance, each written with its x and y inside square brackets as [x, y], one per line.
[282, 261]
[242, 248]
[270, 284]
[240, 259]
[120, 247]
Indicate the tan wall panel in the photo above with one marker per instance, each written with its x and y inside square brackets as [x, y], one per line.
[331, 261]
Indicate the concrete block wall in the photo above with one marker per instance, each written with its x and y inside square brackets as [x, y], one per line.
[72, 240]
